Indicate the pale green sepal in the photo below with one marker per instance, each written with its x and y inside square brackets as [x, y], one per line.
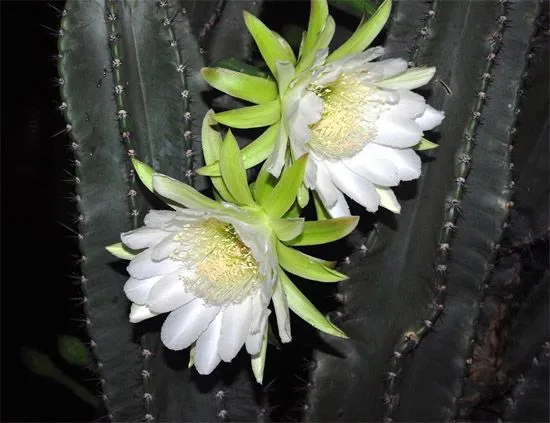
[302, 42]
[286, 47]
[318, 13]
[284, 194]
[264, 114]
[241, 67]
[211, 145]
[233, 171]
[300, 305]
[303, 196]
[119, 250]
[247, 87]
[276, 161]
[286, 73]
[280, 305]
[320, 210]
[145, 173]
[287, 229]
[267, 42]
[365, 34]
[182, 194]
[192, 353]
[324, 231]
[306, 267]
[265, 182]
[322, 42]
[293, 212]
[409, 80]
[425, 144]
[254, 153]
[258, 361]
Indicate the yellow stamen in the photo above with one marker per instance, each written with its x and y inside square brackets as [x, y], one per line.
[348, 123]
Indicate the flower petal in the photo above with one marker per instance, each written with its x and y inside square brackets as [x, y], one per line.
[340, 208]
[159, 218]
[169, 293]
[139, 313]
[430, 119]
[184, 325]
[143, 237]
[282, 313]
[410, 104]
[359, 189]
[254, 339]
[137, 290]
[235, 328]
[163, 249]
[206, 349]
[411, 79]
[142, 266]
[397, 131]
[324, 186]
[388, 199]
[386, 68]
[378, 170]
[406, 162]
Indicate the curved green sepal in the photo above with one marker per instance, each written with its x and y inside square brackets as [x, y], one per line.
[425, 144]
[318, 13]
[145, 173]
[264, 114]
[265, 182]
[322, 42]
[119, 250]
[293, 212]
[192, 353]
[254, 153]
[303, 196]
[287, 229]
[411, 79]
[258, 361]
[305, 266]
[233, 171]
[286, 47]
[250, 88]
[365, 34]
[285, 192]
[300, 305]
[240, 66]
[268, 44]
[182, 194]
[211, 145]
[324, 231]
[320, 210]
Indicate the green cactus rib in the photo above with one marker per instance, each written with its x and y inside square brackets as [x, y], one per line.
[389, 293]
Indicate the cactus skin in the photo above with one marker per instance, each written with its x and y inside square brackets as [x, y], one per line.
[420, 291]
[130, 85]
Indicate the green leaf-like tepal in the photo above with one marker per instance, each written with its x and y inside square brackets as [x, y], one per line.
[129, 76]
[429, 267]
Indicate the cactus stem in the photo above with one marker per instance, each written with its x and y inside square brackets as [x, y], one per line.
[412, 338]
[423, 34]
[210, 23]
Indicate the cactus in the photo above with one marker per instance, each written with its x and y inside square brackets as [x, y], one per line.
[129, 84]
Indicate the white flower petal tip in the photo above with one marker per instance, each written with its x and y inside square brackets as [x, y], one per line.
[138, 313]
[430, 118]
[388, 200]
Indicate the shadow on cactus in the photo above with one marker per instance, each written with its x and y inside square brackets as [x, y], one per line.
[341, 126]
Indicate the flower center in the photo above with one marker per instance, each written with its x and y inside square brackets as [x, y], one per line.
[348, 123]
[221, 268]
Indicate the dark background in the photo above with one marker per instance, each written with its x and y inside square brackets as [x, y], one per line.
[39, 300]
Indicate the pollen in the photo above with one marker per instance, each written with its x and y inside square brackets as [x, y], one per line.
[350, 111]
[221, 268]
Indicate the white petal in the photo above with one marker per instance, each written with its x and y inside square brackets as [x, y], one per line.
[254, 339]
[411, 79]
[397, 131]
[158, 218]
[143, 237]
[282, 313]
[356, 62]
[169, 293]
[206, 348]
[142, 266]
[340, 208]
[309, 110]
[386, 68]
[139, 313]
[235, 328]
[430, 119]
[388, 199]
[184, 325]
[406, 161]
[378, 170]
[359, 189]
[163, 249]
[324, 186]
[410, 104]
[137, 290]
[275, 162]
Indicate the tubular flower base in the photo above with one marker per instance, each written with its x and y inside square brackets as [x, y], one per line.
[216, 266]
[357, 119]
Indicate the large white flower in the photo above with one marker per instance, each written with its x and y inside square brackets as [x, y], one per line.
[358, 120]
[213, 273]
